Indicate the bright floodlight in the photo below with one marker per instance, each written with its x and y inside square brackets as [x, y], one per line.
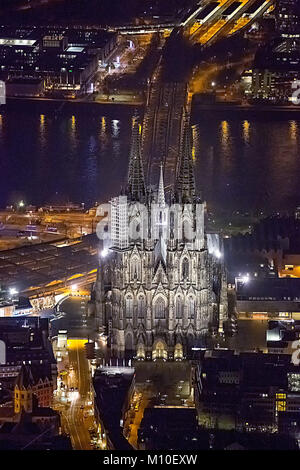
[245, 279]
[74, 287]
[104, 252]
[13, 291]
[21, 204]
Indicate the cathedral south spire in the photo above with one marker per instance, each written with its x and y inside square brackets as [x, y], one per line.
[185, 180]
[136, 190]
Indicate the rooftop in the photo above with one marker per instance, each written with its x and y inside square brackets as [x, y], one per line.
[111, 388]
[280, 289]
[38, 265]
[252, 369]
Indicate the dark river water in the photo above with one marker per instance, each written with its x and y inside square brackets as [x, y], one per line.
[247, 165]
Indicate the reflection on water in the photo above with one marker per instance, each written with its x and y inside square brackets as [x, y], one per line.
[293, 130]
[115, 127]
[42, 133]
[249, 165]
[103, 124]
[239, 164]
[224, 133]
[246, 131]
[72, 133]
[51, 158]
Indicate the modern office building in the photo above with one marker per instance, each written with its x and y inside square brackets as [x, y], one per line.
[26, 342]
[39, 60]
[288, 18]
[268, 297]
[249, 392]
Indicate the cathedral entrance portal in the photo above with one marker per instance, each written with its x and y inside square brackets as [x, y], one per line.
[160, 350]
[178, 352]
[141, 354]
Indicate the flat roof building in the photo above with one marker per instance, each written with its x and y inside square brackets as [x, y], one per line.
[288, 17]
[271, 296]
[65, 59]
[249, 392]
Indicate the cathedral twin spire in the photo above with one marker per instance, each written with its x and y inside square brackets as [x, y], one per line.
[136, 189]
[185, 179]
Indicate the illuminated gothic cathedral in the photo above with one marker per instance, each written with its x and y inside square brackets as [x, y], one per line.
[161, 289]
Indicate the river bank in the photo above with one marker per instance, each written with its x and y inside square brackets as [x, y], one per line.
[263, 112]
[216, 111]
[57, 106]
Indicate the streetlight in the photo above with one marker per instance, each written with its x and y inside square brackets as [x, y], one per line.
[218, 254]
[245, 279]
[104, 253]
[13, 291]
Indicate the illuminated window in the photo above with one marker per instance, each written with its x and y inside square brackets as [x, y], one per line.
[280, 406]
[294, 382]
[280, 396]
[280, 402]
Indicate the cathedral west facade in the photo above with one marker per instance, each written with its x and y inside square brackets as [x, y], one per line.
[160, 290]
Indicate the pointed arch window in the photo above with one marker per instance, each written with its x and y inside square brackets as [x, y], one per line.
[185, 269]
[179, 307]
[191, 307]
[129, 307]
[141, 307]
[187, 230]
[160, 308]
[135, 268]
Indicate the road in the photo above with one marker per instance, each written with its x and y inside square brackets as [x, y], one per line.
[74, 319]
[76, 422]
[251, 334]
[77, 414]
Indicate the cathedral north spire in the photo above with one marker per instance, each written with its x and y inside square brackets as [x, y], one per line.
[136, 190]
[185, 179]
